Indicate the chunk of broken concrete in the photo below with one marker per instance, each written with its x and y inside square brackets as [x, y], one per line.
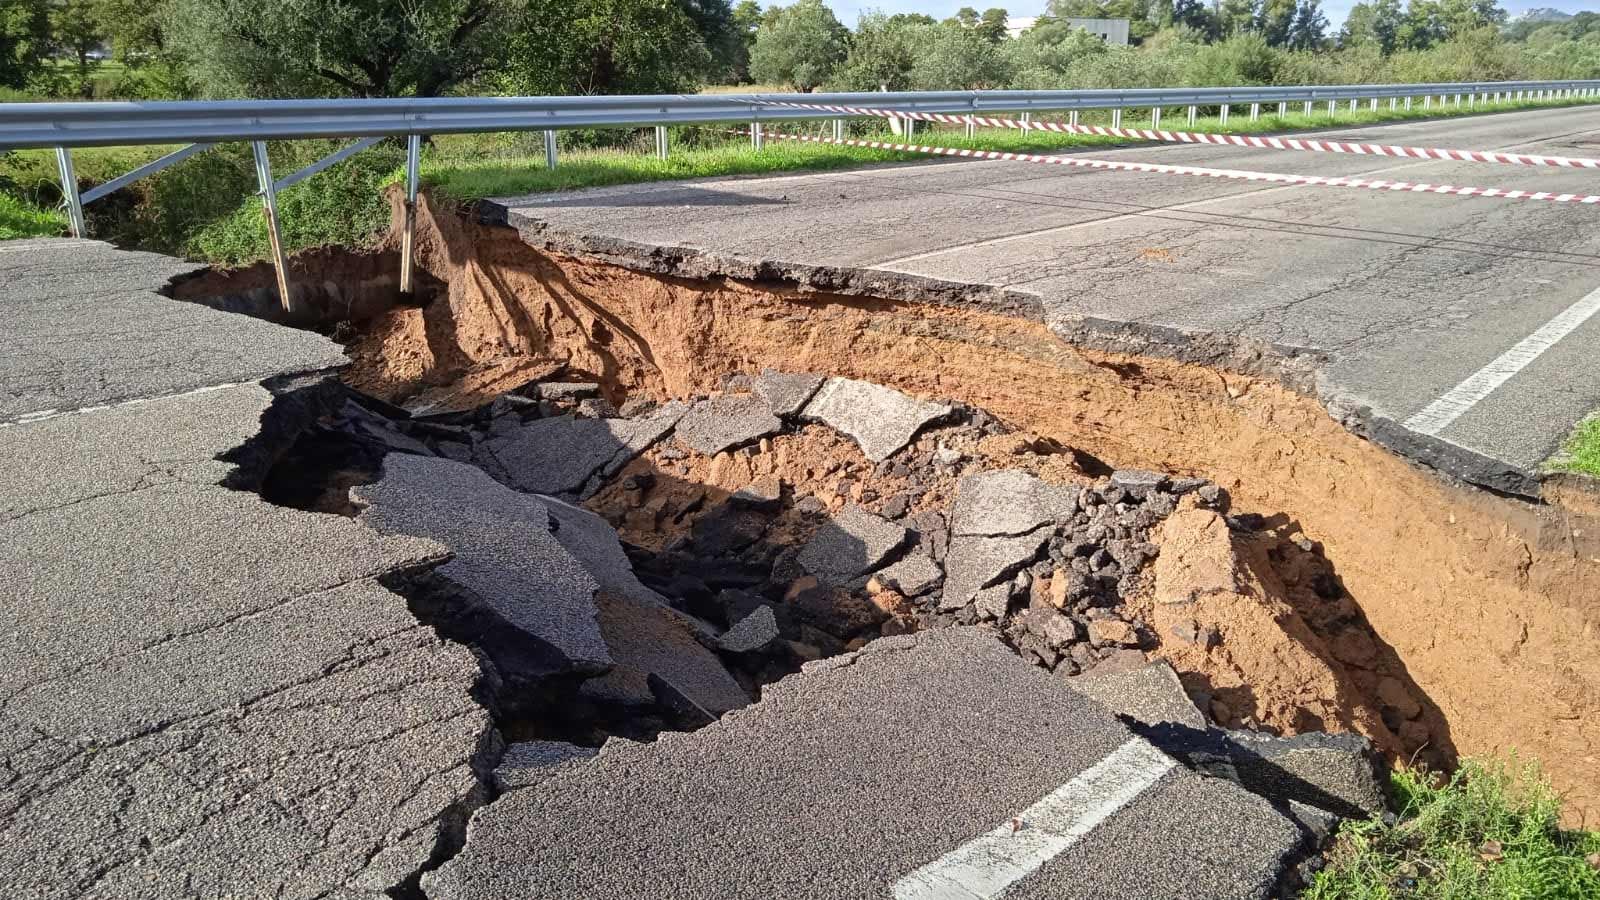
[559, 455]
[880, 420]
[517, 577]
[754, 633]
[722, 423]
[993, 602]
[1149, 695]
[530, 762]
[784, 392]
[912, 576]
[849, 545]
[1009, 502]
[974, 562]
[1139, 483]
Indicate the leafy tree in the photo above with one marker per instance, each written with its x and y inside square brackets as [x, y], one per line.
[966, 17]
[1235, 17]
[1275, 20]
[75, 28]
[993, 25]
[957, 58]
[1046, 55]
[882, 53]
[1376, 23]
[1310, 30]
[24, 41]
[728, 54]
[799, 45]
[362, 48]
[913, 19]
[603, 47]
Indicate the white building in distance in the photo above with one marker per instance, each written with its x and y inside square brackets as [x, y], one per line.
[1112, 31]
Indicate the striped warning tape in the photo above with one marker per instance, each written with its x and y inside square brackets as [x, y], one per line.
[1376, 184]
[1261, 142]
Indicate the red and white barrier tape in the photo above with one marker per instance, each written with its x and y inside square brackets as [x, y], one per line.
[1261, 142]
[1377, 184]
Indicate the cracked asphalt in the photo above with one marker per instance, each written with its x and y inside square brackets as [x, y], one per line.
[1401, 297]
[203, 694]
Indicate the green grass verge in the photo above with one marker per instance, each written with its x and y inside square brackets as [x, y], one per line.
[21, 219]
[1491, 832]
[1582, 450]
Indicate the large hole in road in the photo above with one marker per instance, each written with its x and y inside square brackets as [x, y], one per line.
[1318, 582]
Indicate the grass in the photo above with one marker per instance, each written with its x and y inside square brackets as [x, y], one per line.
[21, 219]
[1581, 453]
[1491, 832]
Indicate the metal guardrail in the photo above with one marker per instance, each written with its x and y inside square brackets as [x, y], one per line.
[63, 126]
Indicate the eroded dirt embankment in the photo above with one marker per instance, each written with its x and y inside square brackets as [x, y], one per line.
[1488, 605]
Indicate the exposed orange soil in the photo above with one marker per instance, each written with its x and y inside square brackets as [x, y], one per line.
[1487, 606]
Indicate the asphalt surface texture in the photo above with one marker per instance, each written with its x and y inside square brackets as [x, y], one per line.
[862, 777]
[1429, 319]
[203, 694]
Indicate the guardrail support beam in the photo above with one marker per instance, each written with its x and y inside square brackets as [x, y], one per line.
[409, 236]
[661, 142]
[69, 192]
[1222, 114]
[838, 129]
[1116, 117]
[269, 210]
[755, 136]
[1155, 117]
[1283, 107]
[550, 149]
[1255, 111]
[1194, 113]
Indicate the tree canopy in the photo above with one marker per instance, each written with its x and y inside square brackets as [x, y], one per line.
[799, 45]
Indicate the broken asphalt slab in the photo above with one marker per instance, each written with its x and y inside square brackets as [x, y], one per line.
[723, 423]
[850, 544]
[85, 326]
[504, 561]
[1009, 502]
[204, 693]
[880, 420]
[974, 562]
[559, 455]
[947, 735]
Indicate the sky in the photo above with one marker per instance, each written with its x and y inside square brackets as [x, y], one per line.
[1335, 10]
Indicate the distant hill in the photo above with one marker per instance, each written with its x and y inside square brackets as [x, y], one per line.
[1542, 14]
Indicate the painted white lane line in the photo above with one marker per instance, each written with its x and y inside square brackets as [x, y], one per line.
[1440, 413]
[985, 866]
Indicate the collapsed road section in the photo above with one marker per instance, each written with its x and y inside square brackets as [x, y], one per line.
[1480, 607]
[273, 637]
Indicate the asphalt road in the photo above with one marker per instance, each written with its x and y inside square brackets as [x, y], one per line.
[934, 766]
[1435, 314]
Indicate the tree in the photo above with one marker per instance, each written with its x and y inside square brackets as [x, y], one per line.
[362, 48]
[1376, 23]
[1310, 30]
[799, 45]
[727, 52]
[966, 17]
[24, 41]
[993, 25]
[957, 58]
[882, 53]
[1235, 17]
[603, 47]
[75, 29]
[1275, 20]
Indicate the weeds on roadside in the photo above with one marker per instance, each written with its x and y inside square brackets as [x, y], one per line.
[1582, 450]
[1490, 832]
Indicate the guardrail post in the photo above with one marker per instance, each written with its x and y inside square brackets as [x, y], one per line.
[1309, 104]
[1408, 103]
[1373, 105]
[269, 209]
[1255, 111]
[1427, 102]
[756, 141]
[661, 142]
[409, 236]
[1027, 120]
[972, 129]
[1072, 117]
[1155, 117]
[1194, 113]
[1222, 114]
[69, 192]
[838, 129]
[549, 149]
[1283, 107]
[1116, 117]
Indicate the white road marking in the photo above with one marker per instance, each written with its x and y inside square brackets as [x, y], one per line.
[1440, 413]
[985, 866]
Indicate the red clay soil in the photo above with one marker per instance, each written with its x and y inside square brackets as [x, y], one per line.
[1482, 609]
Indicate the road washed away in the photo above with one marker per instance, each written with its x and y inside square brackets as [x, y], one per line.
[802, 635]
